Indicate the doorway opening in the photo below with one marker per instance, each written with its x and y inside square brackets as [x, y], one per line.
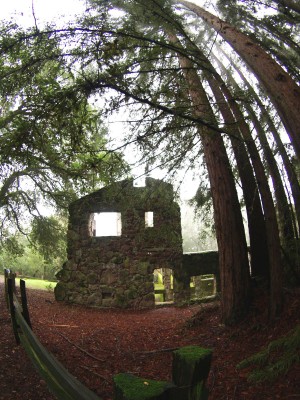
[163, 285]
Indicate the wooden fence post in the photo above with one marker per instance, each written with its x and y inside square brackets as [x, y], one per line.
[191, 365]
[190, 369]
[10, 289]
[25, 311]
[6, 275]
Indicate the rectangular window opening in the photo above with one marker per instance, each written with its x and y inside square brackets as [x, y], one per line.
[149, 222]
[107, 224]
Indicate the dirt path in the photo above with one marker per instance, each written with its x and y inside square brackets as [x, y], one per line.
[130, 341]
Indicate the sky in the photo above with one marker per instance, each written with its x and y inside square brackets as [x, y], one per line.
[22, 10]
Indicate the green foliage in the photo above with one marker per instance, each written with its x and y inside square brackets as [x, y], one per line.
[53, 145]
[202, 202]
[42, 253]
[28, 263]
[276, 359]
[12, 245]
[48, 235]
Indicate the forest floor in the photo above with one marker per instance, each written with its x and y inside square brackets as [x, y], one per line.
[94, 345]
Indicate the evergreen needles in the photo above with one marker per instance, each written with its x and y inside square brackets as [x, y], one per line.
[276, 359]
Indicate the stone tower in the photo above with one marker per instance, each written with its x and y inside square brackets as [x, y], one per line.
[113, 267]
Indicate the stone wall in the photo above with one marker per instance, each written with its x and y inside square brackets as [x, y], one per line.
[206, 262]
[117, 271]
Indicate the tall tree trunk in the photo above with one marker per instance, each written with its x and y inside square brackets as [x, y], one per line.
[269, 211]
[256, 222]
[288, 166]
[285, 214]
[292, 4]
[272, 230]
[282, 90]
[233, 260]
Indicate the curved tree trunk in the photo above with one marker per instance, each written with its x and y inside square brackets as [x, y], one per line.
[282, 90]
[289, 168]
[256, 222]
[273, 241]
[292, 4]
[233, 260]
[284, 215]
[272, 231]
[269, 211]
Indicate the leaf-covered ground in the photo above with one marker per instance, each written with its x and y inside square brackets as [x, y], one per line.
[94, 345]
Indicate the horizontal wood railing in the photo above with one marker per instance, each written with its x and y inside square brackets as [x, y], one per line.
[60, 382]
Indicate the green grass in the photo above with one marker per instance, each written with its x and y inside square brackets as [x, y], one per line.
[38, 284]
[158, 286]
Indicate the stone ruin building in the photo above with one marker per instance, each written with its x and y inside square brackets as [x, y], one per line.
[115, 269]
[117, 237]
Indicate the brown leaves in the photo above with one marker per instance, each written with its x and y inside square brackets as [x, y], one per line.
[102, 343]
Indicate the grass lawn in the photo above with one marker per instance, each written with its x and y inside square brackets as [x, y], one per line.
[38, 284]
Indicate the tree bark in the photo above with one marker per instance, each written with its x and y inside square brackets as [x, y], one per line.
[233, 259]
[289, 168]
[272, 231]
[281, 88]
[292, 4]
[256, 222]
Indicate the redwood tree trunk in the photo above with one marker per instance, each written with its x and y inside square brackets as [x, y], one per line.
[233, 259]
[256, 222]
[280, 87]
[272, 230]
[289, 168]
[292, 4]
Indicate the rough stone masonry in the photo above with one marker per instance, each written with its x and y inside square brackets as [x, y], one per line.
[116, 269]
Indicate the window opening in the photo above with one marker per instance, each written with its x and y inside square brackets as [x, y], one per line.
[202, 286]
[149, 223]
[107, 224]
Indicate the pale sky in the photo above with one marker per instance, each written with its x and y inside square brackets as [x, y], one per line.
[49, 10]
[21, 10]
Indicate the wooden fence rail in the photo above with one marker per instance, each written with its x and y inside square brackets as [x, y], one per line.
[60, 382]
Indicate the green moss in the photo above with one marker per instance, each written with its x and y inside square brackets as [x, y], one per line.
[193, 353]
[134, 388]
[121, 300]
[143, 268]
[60, 292]
[117, 259]
[131, 294]
[127, 263]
